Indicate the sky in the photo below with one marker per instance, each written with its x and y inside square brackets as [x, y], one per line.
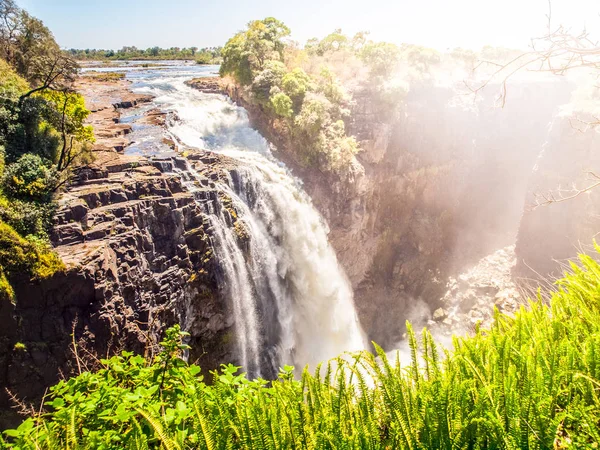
[440, 24]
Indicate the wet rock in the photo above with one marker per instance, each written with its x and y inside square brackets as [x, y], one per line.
[439, 314]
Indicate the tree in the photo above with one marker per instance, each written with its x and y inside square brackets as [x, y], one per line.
[28, 46]
[267, 79]
[296, 84]
[68, 116]
[381, 57]
[282, 105]
[246, 53]
[332, 43]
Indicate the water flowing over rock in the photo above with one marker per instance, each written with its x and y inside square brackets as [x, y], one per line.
[218, 237]
[292, 301]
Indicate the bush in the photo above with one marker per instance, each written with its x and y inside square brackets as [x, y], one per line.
[29, 178]
[282, 105]
[30, 256]
[266, 80]
[6, 290]
[296, 84]
[381, 57]
[27, 218]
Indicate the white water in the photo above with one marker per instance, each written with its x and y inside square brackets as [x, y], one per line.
[291, 299]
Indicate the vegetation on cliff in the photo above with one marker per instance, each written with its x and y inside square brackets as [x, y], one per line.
[42, 136]
[531, 381]
[300, 90]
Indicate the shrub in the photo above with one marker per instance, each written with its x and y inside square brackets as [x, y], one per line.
[30, 178]
[282, 105]
[314, 116]
[30, 256]
[12, 86]
[381, 57]
[296, 84]
[269, 78]
[16, 253]
[6, 290]
[27, 218]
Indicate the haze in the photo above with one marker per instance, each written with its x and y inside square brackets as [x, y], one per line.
[435, 23]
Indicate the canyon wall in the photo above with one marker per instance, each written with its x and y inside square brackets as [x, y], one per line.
[561, 218]
[440, 183]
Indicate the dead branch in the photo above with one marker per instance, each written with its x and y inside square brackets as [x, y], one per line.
[557, 52]
[562, 195]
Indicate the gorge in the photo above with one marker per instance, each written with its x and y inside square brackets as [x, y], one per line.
[348, 242]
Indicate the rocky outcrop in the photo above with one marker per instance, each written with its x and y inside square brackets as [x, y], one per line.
[136, 242]
[209, 85]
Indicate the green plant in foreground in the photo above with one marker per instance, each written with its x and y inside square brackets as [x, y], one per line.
[529, 382]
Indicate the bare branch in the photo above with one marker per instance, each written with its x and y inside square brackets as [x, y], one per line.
[562, 195]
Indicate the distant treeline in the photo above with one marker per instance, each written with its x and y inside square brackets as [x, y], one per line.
[207, 55]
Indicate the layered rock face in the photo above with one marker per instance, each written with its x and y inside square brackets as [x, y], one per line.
[136, 243]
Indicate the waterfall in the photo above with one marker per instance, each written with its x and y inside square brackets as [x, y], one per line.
[292, 301]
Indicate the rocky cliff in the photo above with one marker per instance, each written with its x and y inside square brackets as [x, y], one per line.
[136, 243]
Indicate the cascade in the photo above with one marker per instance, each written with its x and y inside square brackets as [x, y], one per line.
[291, 299]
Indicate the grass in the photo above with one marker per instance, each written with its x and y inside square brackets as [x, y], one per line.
[529, 382]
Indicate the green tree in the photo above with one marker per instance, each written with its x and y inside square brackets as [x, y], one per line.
[30, 178]
[381, 57]
[68, 113]
[332, 43]
[296, 84]
[246, 53]
[29, 46]
[282, 105]
[267, 79]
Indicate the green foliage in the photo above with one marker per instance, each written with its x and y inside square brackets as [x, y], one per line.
[314, 116]
[420, 59]
[333, 42]
[245, 54]
[311, 108]
[270, 77]
[296, 84]
[71, 105]
[529, 382]
[12, 86]
[381, 57]
[29, 256]
[6, 290]
[29, 47]
[282, 105]
[27, 217]
[30, 177]
[105, 77]
[207, 55]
